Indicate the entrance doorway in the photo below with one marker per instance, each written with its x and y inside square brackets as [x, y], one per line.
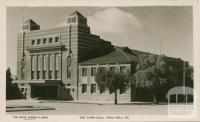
[44, 92]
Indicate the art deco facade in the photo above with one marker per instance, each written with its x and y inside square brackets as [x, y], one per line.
[61, 63]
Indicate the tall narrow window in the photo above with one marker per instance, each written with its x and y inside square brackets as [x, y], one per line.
[122, 69]
[50, 40]
[93, 88]
[32, 42]
[69, 72]
[32, 74]
[44, 74]
[84, 88]
[56, 39]
[44, 40]
[112, 68]
[38, 74]
[84, 71]
[56, 74]
[50, 74]
[93, 71]
[38, 41]
[102, 90]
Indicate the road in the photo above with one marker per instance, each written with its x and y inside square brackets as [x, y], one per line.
[67, 108]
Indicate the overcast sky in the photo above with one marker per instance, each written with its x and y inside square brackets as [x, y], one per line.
[165, 30]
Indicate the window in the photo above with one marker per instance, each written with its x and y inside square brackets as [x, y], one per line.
[93, 88]
[84, 88]
[112, 68]
[44, 74]
[56, 74]
[102, 90]
[32, 42]
[69, 72]
[102, 68]
[32, 74]
[22, 89]
[38, 74]
[50, 74]
[44, 40]
[84, 71]
[50, 40]
[122, 68]
[93, 71]
[38, 41]
[56, 39]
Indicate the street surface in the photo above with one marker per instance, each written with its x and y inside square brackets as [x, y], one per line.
[75, 108]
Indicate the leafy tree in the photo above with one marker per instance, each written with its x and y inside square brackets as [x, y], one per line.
[188, 75]
[8, 83]
[150, 73]
[12, 90]
[112, 81]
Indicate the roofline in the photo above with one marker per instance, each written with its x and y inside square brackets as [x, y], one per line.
[92, 64]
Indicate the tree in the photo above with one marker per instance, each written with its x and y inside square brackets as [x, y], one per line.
[12, 90]
[112, 81]
[150, 73]
[8, 83]
[188, 75]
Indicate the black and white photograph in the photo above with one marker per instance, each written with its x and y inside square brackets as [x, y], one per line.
[100, 63]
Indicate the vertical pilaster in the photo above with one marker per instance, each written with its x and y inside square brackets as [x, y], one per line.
[54, 65]
[28, 92]
[30, 66]
[36, 65]
[48, 64]
[42, 66]
[176, 98]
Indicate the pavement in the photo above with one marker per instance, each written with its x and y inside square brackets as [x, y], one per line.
[55, 107]
[27, 108]
[98, 102]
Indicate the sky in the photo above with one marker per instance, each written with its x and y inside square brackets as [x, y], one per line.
[156, 29]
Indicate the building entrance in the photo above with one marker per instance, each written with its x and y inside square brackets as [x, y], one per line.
[44, 92]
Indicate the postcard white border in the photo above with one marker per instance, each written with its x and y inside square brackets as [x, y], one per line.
[57, 3]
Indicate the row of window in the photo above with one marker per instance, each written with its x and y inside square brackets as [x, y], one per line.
[40, 64]
[94, 70]
[45, 40]
[93, 89]
[39, 75]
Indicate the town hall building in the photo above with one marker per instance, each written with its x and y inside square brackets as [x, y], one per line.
[61, 63]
